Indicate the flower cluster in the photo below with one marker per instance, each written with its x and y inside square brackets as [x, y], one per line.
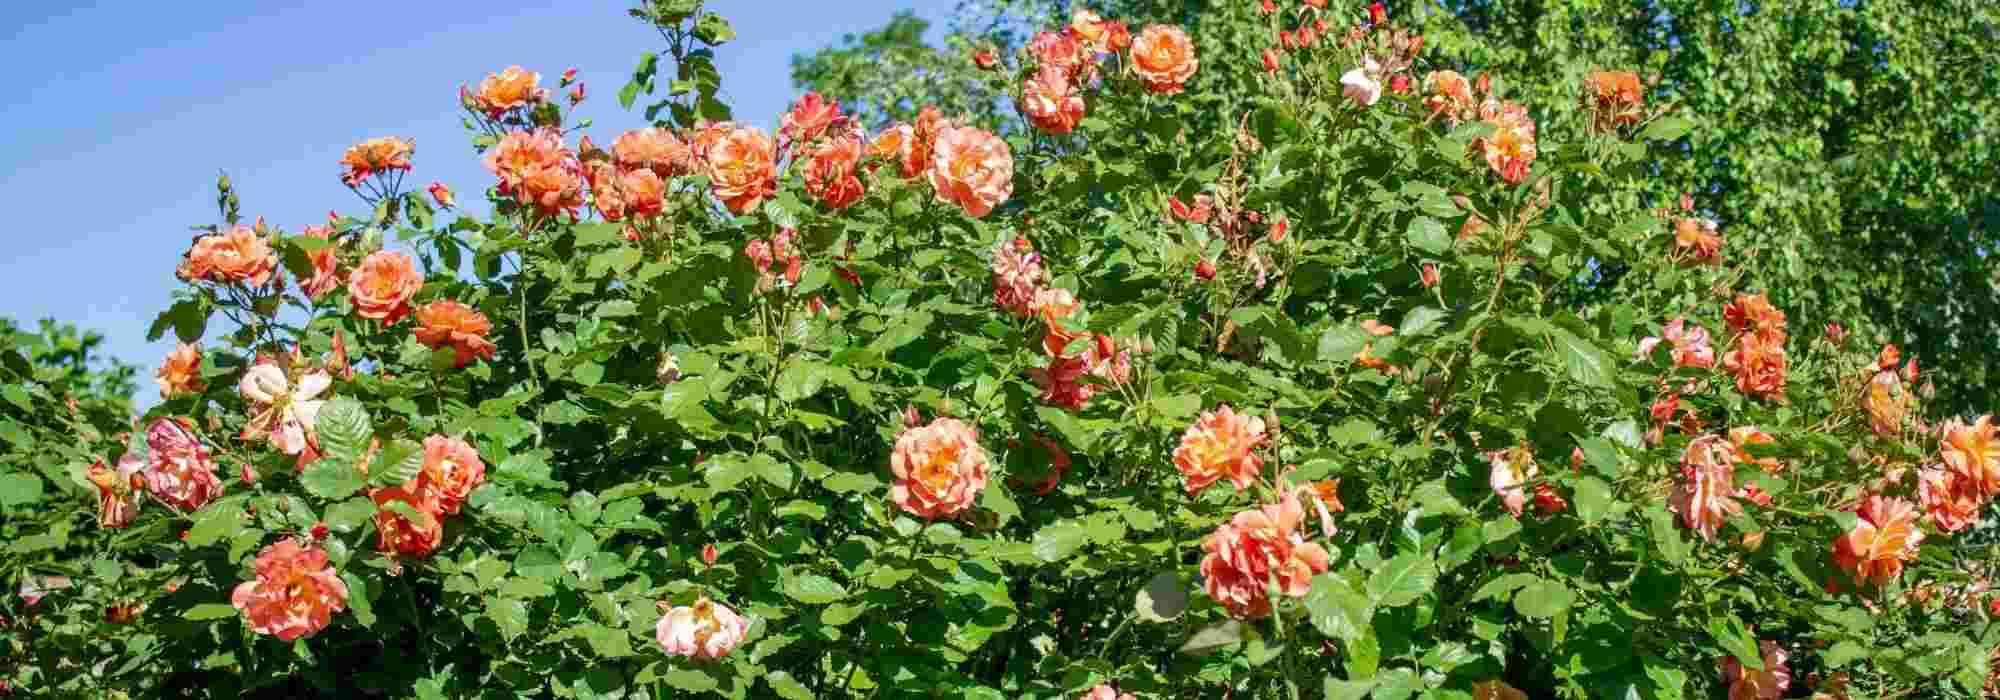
[1768, 683]
[536, 170]
[1696, 238]
[1954, 491]
[1757, 350]
[769, 256]
[410, 519]
[1066, 67]
[180, 373]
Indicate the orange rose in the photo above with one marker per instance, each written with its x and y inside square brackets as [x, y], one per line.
[411, 535]
[1510, 151]
[447, 323]
[1753, 313]
[1325, 497]
[1704, 497]
[1221, 443]
[1164, 58]
[1450, 96]
[1752, 684]
[644, 193]
[1951, 501]
[179, 472]
[240, 256]
[1256, 551]
[653, 148]
[1614, 98]
[1073, 58]
[1090, 29]
[374, 157]
[1883, 539]
[1508, 473]
[1697, 239]
[382, 285]
[1051, 102]
[452, 469]
[537, 170]
[973, 169]
[830, 171]
[940, 469]
[181, 372]
[810, 118]
[508, 90]
[295, 594]
[1887, 403]
[1759, 364]
[1973, 451]
[325, 263]
[740, 168]
[1496, 690]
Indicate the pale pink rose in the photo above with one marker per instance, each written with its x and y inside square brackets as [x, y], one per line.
[180, 472]
[705, 630]
[940, 469]
[1690, 342]
[973, 169]
[1511, 470]
[295, 594]
[1105, 692]
[1360, 85]
[281, 411]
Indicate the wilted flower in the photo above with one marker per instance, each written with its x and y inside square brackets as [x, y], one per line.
[325, 262]
[1325, 497]
[412, 532]
[117, 490]
[1050, 101]
[179, 471]
[940, 469]
[1697, 238]
[1705, 495]
[973, 169]
[374, 157]
[1063, 52]
[1509, 472]
[295, 594]
[740, 168]
[1360, 85]
[1759, 365]
[1886, 401]
[1950, 500]
[381, 287]
[508, 90]
[1450, 95]
[1220, 444]
[1690, 343]
[180, 373]
[705, 630]
[1884, 537]
[1256, 551]
[1017, 276]
[449, 324]
[238, 256]
[1751, 684]
[1164, 58]
[281, 411]
[1614, 98]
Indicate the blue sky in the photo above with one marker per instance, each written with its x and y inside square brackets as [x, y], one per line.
[130, 110]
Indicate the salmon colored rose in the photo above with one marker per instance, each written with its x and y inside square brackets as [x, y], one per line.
[1051, 102]
[1759, 364]
[1690, 344]
[1064, 53]
[179, 472]
[1220, 444]
[381, 287]
[239, 256]
[1255, 551]
[449, 324]
[1973, 451]
[1752, 684]
[1450, 96]
[1510, 151]
[411, 535]
[283, 408]
[325, 263]
[373, 157]
[973, 169]
[1697, 239]
[1062, 382]
[1614, 98]
[537, 170]
[1753, 313]
[740, 168]
[706, 630]
[118, 490]
[508, 90]
[1951, 501]
[295, 594]
[181, 372]
[832, 168]
[1887, 402]
[1508, 473]
[1883, 539]
[1164, 58]
[1017, 277]
[644, 194]
[940, 469]
[811, 117]
[452, 469]
[655, 149]
[1705, 495]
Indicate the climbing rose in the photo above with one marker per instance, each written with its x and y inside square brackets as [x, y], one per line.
[1450, 96]
[1751, 684]
[739, 167]
[1753, 313]
[831, 171]
[1705, 494]
[1105, 692]
[295, 594]
[1613, 98]
[1359, 84]
[1050, 101]
[442, 195]
[382, 285]
[1758, 361]
[1256, 550]
[181, 372]
[810, 118]
[508, 90]
[1884, 537]
[180, 472]
[452, 469]
[1164, 58]
[402, 535]
[1064, 53]
[536, 169]
[940, 469]
[1017, 277]
[1509, 472]
[117, 490]
[281, 411]
[1697, 238]
[1089, 29]
[240, 256]
[1510, 151]
[373, 157]
[1690, 344]
[1886, 401]
[1950, 500]
[449, 324]
[325, 263]
[1220, 444]
[1973, 451]
[705, 630]
[653, 148]
[973, 169]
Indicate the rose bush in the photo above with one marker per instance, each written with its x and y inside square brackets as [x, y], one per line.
[1259, 357]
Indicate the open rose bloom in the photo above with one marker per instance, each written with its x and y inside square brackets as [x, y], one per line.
[411, 535]
[705, 630]
[940, 469]
[1508, 473]
[1757, 353]
[1256, 549]
[508, 90]
[1689, 341]
[118, 490]
[376, 156]
[179, 471]
[295, 594]
[1105, 692]
[1361, 85]
[325, 263]
[1220, 445]
[1050, 101]
[449, 324]
[741, 168]
[1510, 151]
[1017, 277]
[1746, 683]
[1705, 495]
[832, 171]
[180, 373]
[239, 256]
[1973, 452]
[283, 407]
[973, 169]
[537, 170]
[1164, 58]
[1883, 539]
[452, 469]
[381, 287]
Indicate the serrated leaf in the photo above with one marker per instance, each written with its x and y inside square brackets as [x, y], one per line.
[1402, 580]
[397, 463]
[814, 589]
[1593, 499]
[1058, 541]
[209, 611]
[357, 598]
[1336, 609]
[1215, 636]
[344, 428]
[1162, 599]
[1543, 599]
[332, 479]
[786, 687]
[1427, 235]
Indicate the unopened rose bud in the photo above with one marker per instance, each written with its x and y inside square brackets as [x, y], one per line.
[1269, 7]
[1483, 84]
[1307, 36]
[1399, 84]
[1836, 334]
[1377, 14]
[1752, 541]
[319, 530]
[569, 76]
[911, 417]
[1576, 458]
[1285, 40]
[1270, 60]
[986, 60]
[249, 474]
[576, 94]
[1929, 390]
[1429, 274]
[1319, 25]
[1279, 228]
[1204, 270]
[708, 554]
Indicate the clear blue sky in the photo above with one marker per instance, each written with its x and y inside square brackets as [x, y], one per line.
[126, 111]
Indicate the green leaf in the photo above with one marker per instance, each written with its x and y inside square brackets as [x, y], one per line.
[344, 430]
[1429, 236]
[19, 489]
[1336, 609]
[209, 611]
[1162, 599]
[1335, 689]
[997, 499]
[357, 598]
[1730, 633]
[1396, 684]
[332, 479]
[1058, 541]
[814, 589]
[1666, 538]
[802, 380]
[508, 614]
[1421, 320]
[1216, 636]
[689, 680]
[1843, 653]
[1402, 580]
[1071, 429]
[1586, 363]
[398, 462]
[1504, 585]
[1668, 128]
[219, 521]
[713, 30]
[1543, 599]
[786, 687]
[1593, 499]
